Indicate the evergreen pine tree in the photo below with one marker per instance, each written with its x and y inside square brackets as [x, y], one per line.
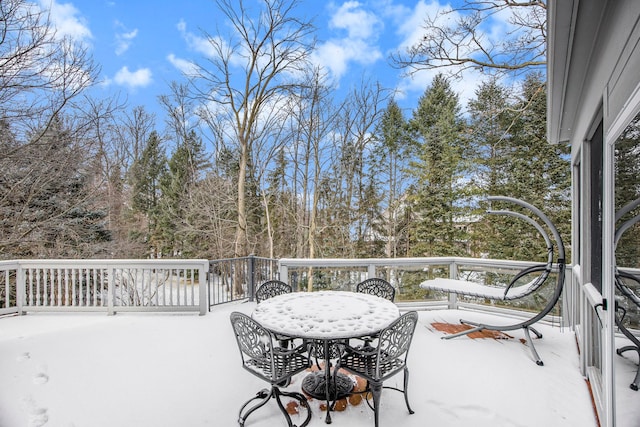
[539, 173]
[185, 168]
[389, 162]
[439, 168]
[490, 128]
[145, 181]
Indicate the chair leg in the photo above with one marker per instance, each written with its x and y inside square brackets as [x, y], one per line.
[634, 384]
[264, 396]
[297, 396]
[405, 390]
[535, 331]
[376, 391]
[536, 357]
[636, 380]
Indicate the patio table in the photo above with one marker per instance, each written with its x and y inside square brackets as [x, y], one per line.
[326, 317]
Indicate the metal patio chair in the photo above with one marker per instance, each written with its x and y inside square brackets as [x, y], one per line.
[626, 282]
[388, 357]
[539, 274]
[270, 289]
[265, 359]
[378, 287]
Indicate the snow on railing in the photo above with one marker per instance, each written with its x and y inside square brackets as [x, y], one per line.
[104, 285]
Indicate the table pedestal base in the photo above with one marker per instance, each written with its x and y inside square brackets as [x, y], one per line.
[314, 385]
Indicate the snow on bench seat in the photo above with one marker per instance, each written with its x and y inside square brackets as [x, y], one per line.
[465, 287]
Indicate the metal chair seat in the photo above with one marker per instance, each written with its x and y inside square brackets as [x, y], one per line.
[283, 365]
[370, 366]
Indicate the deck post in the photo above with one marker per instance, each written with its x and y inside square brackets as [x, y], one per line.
[453, 297]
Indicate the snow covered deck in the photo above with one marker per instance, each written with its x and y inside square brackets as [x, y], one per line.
[153, 370]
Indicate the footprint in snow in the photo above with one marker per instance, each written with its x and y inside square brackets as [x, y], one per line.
[38, 417]
[24, 357]
[40, 378]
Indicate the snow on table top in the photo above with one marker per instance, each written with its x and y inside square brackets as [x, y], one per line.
[326, 314]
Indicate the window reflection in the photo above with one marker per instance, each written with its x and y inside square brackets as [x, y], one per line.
[627, 201]
[627, 167]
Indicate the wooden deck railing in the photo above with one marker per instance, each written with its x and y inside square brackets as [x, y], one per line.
[103, 285]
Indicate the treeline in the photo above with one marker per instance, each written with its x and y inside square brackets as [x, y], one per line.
[283, 169]
[356, 179]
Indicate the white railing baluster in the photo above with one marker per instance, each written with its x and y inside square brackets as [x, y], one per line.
[87, 285]
[59, 286]
[164, 290]
[146, 287]
[94, 303]
[74, 299]
[52, 287]
[192, 283]
[101, 287]
[66, 286]
[30, 274]
[111, 291]
[184, 285]
[155, 274]
[170, 286]
[38, 295]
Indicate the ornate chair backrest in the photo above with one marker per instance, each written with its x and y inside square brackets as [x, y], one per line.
[394, 341]
[378, 287]
[255, 344]
[270, 289]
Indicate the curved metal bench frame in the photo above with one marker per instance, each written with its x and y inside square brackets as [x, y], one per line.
[545, 269]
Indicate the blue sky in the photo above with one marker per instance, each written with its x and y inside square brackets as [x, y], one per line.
[142, 46]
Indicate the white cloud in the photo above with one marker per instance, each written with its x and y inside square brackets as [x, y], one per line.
[67, 21]
[124, 39]
[211, 46]
[186, 67]
[355, 42]
[411, 22]
[196, 43]
[133, 79]
[359, 23]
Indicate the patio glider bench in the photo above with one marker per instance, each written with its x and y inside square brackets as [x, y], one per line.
[539, 274]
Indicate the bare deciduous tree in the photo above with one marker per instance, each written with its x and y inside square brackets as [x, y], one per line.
[458, 38]
[247, 72]
[40, 73]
